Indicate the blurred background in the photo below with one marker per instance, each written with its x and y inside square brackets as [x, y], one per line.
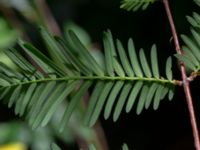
[168, 128]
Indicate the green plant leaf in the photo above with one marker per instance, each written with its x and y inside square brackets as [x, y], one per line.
[133, 95]
[134, 59]
[84, 52]
[154, 62]
[38, 104]
[91, 147]
[124, 59]
[43, 84]
[73, 103]
[125, 147]
[144, 64]
[134, 5]
[26, 98]
[118, 68]
[191, 45]
[55, 147]
[150, 94]
[35, 54]
[124, 94]
[51, 107]
[168, 70]
[157, 97]
[111, 99]
[93, 100]
[14, 96]
[141, 101]
[100, 103]
[108, 55]
[190, 55]
[186, 60]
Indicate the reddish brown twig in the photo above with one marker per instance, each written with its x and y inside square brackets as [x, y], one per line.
[186, 84]
[47, 17]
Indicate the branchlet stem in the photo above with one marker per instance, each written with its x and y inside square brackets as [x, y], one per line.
[186, 84]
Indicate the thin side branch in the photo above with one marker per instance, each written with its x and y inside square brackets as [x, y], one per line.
[186, 85]
[192, 76]
[47, 17]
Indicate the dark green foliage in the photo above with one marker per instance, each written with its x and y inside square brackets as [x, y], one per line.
[42, 84]
[55, 147]
[134, 5]
[197, 2]
[125, 147]
[191, 56]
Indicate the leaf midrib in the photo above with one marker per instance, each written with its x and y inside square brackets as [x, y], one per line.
[106, 78]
